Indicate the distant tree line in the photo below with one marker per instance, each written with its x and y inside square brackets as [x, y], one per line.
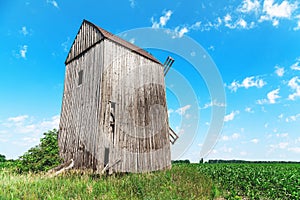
[180, 162]
[246, 161]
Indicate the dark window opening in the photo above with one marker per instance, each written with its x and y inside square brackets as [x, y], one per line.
[106, 156]
[80, 76]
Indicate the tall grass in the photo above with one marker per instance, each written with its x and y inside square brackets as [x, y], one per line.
[181, 182]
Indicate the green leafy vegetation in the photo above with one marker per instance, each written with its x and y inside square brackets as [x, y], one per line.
[41, 157]
[2, 158]
[255, 181]
[181, 182]
[218, 179]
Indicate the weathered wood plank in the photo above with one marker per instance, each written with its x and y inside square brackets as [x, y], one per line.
[135, 84]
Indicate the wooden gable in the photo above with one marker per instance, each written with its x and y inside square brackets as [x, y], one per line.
[90, 34]
[87, 36]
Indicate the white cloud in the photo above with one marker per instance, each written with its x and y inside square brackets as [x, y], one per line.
[211, 47]
[225, 138]
[170, 111]
[235, 135]
[231, 116]
[242, 23]
[279, 71]
[214, 103]
[292, 118]
[298, 24]
[231, 137]
[66, 44]
[24, 31]
[17, 119]
[179, 32]
[162, 20]
[227, 18]
[274, 11]
[255, 140]
[249, 110]
[53, 3]
[196, 25]
[273, 95]
[248, 6]
[283, 145]
[182, 110]
[132, 40]
[275, 22]
[23, 51]
[282, 135]
[294, 149]
[283, 10]
[294, 84]
[243, 153]
[132, 3]
[247, 83]
[40, 127]
[295, 66]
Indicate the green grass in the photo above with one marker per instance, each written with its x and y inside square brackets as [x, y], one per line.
[183, 181]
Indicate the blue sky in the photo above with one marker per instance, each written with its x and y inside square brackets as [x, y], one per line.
[255, 45]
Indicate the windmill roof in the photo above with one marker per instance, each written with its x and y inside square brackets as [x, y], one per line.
[125, 43]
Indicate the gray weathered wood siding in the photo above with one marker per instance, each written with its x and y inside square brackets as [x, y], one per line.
[80, 115]
[136, 86]
[118, 85]
[87, 36]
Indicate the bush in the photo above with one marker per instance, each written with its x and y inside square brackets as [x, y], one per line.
[43, 156]
[2, 158]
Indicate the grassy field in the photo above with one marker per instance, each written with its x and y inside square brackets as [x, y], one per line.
[184, 181]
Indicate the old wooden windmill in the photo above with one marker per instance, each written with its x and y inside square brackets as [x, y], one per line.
[114, 111]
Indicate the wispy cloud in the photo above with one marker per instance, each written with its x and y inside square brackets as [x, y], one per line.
[132, 3]
[53, 3]
[295, 66]
[231, 116]
[182, 110]
[249, 110]
[255, 140]
[23, 51]
[162, 20]
[274, 11]
[231, 137]
[132, 40]
[179, 32]
[24, 31]
[247, 83]
[66, 44]
[17, 119]
[23, 124]
[294, 84]
[279, 71]
[292, 118]
[294, 149]
[214, 103]
[298, 23]
[248, 6]
[273, 95]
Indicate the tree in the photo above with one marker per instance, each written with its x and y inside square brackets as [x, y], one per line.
[43, 156]
[2, 158]
[201, 161]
